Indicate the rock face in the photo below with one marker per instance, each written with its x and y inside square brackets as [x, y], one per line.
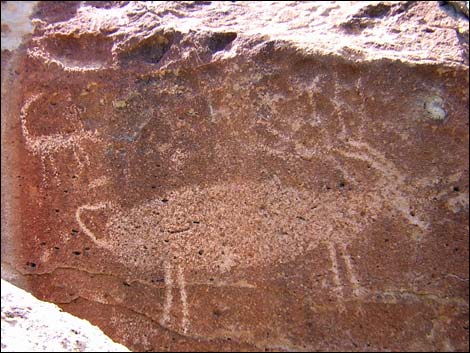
[242, 175]
[30, 325]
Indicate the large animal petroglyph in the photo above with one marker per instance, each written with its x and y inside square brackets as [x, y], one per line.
[250, 224]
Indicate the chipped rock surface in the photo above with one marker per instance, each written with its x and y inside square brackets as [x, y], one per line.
[242, 175]
[30, 325]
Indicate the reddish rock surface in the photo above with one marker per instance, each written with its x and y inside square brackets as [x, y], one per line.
[242, 175]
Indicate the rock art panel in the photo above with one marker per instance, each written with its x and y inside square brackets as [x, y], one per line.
[203, 176]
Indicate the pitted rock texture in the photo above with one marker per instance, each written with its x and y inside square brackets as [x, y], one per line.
[30, 325]
[242, 175]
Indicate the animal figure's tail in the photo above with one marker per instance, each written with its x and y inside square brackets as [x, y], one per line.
[82, 225]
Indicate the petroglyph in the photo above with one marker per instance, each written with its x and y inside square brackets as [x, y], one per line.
[184, 300]
[242, 193]
[392, 181]
[165, 320]
[171, 232]
[87, 231]
[101, 181]
[334, 269]
[168, 295]
[350, 270]
[173, 229]
[46, 147]
[347, 143]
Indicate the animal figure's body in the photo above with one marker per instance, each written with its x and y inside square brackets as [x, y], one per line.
[242, 225]
[237, 225]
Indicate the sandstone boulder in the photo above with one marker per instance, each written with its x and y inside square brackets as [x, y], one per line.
[242, 175]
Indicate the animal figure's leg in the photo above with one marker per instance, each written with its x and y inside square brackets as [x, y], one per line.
[55, 171]
[77, 158]
[43, 167]
[51, 169]
[339, 107]
[127, 168]
[84, 154]
[334, 268]
[168, 295]
[184, 300]
[81, 157]
[357, 290]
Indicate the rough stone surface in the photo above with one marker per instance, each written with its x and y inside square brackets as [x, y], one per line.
[242, 175]
[30, 325]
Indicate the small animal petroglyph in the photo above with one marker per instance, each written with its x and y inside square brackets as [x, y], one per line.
[47, 147]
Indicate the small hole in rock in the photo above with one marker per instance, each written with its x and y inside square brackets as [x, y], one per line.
[342, 184]
[76, 252]
[31, 264]
[200, 252]
[164, 200]
[412, 214]
[456, 189]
